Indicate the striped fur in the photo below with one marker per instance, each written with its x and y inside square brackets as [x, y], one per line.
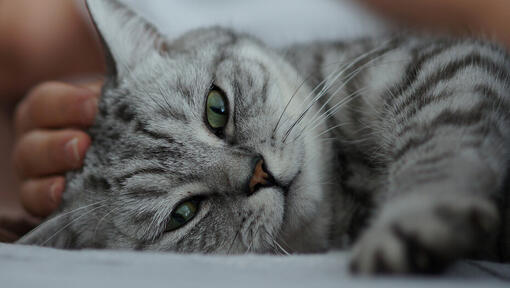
[424, 148]
[397, 146]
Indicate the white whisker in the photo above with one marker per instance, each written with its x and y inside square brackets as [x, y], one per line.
[70, 223]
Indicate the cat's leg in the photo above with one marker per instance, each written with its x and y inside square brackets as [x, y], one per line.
[426, 229]
[447, 162]
[443, 186]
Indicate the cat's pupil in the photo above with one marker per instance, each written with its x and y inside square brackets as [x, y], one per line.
[179, 219]
[219, 110]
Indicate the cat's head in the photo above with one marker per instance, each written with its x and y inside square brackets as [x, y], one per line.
[198, 147]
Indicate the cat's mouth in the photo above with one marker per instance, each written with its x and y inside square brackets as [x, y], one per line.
[284, 187]
[288, 187]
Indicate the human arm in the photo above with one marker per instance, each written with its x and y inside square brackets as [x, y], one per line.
[489, 18]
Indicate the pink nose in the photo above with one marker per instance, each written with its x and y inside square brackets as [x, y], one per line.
[260, 178]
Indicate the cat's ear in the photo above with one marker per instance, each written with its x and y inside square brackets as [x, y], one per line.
[127, 37]
[51, 233]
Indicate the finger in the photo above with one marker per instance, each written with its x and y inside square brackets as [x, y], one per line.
[94, 86]
[41, 197]
[42, 152]
[56, 105]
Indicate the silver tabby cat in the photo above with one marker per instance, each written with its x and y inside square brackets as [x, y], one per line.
[215, 143]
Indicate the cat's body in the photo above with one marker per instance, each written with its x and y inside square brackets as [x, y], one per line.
[404, 140]
[417, 149]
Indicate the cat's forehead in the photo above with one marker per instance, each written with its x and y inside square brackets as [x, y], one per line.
[182, 77]
[213, 38]
[195, 55]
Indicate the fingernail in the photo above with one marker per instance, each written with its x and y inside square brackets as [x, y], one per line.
[56, 191]
[90, 110]
[72, 152]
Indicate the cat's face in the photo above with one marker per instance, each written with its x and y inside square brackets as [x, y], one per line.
[195, 148]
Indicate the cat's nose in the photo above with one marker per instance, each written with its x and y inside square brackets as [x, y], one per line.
[261, 176]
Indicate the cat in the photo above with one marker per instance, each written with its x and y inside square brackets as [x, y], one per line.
[215, 143]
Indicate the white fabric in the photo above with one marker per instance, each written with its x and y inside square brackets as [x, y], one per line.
[24, 266]
[277, 22]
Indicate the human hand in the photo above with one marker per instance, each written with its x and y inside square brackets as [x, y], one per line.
[50, 142]
[44, 40]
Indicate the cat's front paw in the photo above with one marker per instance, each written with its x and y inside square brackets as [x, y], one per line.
[423, 235]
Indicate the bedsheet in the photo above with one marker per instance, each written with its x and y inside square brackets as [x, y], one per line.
[29, 266]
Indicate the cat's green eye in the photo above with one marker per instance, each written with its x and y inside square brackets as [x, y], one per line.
[182, 214]
[216, 110]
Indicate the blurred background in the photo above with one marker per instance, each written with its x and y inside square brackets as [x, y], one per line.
[54, 39]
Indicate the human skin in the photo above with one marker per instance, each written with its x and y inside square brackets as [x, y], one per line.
[51, 141]
[43, 153]
[487, 18]
[40, 41]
